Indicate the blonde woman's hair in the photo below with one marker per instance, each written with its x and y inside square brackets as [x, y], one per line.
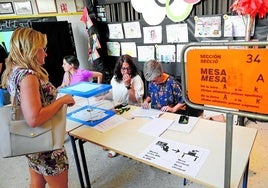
[24, 46]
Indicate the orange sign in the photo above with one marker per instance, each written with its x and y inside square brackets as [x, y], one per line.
[232, 78]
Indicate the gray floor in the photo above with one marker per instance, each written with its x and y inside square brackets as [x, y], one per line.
[121, 172]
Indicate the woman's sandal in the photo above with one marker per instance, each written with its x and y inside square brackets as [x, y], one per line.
[111, 154]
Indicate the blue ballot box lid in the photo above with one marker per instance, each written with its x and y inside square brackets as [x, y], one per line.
[85, 89]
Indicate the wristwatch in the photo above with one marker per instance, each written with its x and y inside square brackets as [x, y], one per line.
[128, 87]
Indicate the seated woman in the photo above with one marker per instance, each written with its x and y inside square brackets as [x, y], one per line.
[163, 92]
[127, 85]
[73, 74]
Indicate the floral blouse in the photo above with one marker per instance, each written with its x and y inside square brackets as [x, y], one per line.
[165, 94]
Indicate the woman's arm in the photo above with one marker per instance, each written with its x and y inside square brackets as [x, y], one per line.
[136, 90]
[97, 75]
[65, 80]
[31, 104]
[177, 107]
[146, 102]
[178, 99]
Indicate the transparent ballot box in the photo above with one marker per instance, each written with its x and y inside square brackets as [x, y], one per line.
[89, 109]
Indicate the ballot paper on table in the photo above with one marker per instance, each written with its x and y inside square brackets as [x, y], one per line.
[89, 114]
[110, 123]
[156, 127]
[181, 127]
[147, 113]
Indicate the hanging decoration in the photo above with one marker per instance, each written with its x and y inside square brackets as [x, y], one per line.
[93, 41]
[252, 8]
[93, 45]
[86, 19]
[175, 10]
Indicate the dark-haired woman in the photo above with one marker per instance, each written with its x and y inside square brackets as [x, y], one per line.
[127, 85]
[73, 74]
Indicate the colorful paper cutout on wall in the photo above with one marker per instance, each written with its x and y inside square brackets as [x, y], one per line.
[145, 53]
[113, 48]
[132, 30]
[152, 34]
[129, 48]
[177, 33]
[235, 26]
[165, 53]
[208, 26]
[116, 31]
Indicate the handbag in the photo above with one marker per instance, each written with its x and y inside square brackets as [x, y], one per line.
[18, 138]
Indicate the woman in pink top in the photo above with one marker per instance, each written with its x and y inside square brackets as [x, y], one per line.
[73, 74]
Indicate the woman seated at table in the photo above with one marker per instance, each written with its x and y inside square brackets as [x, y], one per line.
[127, 85]
[163, 92]
[73, 74]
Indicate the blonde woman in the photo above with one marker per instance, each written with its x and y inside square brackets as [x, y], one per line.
[24, 73]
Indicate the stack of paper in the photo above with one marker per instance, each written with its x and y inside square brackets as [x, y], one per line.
[147, 113]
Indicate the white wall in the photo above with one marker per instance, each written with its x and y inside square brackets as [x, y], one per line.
[80, 38]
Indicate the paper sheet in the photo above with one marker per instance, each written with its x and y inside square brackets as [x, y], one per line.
[176, 126]
[110, 123]
[89, 114]
[176, 156]
[147, 113]
[156, 127]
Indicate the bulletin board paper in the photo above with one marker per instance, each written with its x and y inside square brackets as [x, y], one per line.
[129, 48]
[152, 35]
[132, 30]
[166, 53]
[208, 26]
[145, 53]
[116, 31]
[113, 48]
[177, 33]
[235, 26]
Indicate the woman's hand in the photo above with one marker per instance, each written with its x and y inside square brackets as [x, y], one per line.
[127, 79]
[68, 99]
[145, 105]
[167, 109]
[174, 109]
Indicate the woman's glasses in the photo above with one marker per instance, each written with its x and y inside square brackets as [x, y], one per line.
[125, 68]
